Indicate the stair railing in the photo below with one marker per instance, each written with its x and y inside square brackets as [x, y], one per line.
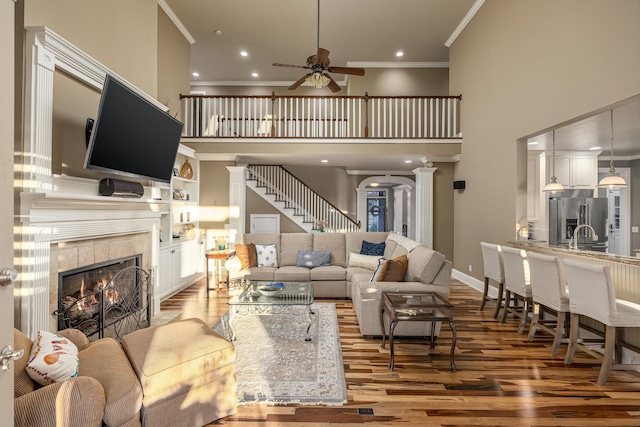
[305, 202]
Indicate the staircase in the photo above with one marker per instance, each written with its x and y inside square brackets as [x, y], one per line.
[297, 201]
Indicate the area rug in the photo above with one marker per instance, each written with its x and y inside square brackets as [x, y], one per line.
[276, 366]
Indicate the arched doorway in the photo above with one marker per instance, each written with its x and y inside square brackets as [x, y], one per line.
[387, 203]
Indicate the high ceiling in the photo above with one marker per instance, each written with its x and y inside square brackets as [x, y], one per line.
[286, 31]
[363, 33]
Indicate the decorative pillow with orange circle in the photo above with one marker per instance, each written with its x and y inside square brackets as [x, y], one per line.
[53, 358]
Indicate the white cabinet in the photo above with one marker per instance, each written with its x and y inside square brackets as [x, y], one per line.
[181, 265]
[575, 169]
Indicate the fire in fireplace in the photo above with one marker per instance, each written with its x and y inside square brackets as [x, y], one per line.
[103, 295]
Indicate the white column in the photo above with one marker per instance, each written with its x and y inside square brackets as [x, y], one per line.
[398, 208]
[424, 205]
[361, 206]
[237, 203]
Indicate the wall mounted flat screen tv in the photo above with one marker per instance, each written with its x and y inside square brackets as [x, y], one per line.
[131, 136]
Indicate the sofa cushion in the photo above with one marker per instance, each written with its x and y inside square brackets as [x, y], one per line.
[263, 239]
[291, 273]
[291, 243]
[392, 270]
[267, 255]
[53, 358]
[424, 264]
[353, 239]
[369, 262]
[394, 250]
[105, 361]
[311, 259]
[369, 248]
[260, 273]
[177, 356]
[329, 272]
[334, 243]
[246, 254]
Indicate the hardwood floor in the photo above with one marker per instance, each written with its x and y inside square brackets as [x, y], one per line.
[502, 379]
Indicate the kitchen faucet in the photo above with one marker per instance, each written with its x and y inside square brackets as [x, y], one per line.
[573, 243]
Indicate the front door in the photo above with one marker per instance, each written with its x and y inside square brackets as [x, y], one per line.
[377, 210]
[6, 207]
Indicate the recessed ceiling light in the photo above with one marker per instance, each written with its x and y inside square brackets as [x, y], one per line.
[407, 161]
[254, 74]
[373, 184]
[218, 32]
[195, 74]
[595, 148]
[399, 53]
[244, 53]
[532, 142]
[324, 161]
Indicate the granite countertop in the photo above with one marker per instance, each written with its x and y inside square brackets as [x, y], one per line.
[545, 247]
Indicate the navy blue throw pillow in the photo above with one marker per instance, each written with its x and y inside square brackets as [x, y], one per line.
[369, 248]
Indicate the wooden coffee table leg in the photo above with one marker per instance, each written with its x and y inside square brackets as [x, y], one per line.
[392, 326]
[452, 325]
[384, 335]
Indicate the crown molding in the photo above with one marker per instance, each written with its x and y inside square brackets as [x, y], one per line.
[176, 21]
[465, 21]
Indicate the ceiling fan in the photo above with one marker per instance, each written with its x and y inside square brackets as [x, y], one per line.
[320, 66]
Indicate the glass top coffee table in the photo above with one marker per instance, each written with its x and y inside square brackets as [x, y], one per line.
[271, 298]
[416, 306]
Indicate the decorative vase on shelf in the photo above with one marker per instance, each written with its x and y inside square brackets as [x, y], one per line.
[186, 171]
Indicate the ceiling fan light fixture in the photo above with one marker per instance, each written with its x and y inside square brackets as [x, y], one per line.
[318, 80]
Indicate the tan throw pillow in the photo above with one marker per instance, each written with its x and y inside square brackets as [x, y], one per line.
[247, 255]
[393, 270]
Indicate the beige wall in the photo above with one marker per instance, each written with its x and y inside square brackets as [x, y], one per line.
[443, 194]
[376, 81]
[214, 196]
[174, 58]
[401, 82]
[121, 34]
[523, 66]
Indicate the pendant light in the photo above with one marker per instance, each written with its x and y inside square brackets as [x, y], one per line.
[554, 186]
[612, 180]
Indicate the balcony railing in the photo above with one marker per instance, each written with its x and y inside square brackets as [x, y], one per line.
[275, 116]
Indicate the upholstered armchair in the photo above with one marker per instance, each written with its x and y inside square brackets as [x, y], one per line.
[105, 390]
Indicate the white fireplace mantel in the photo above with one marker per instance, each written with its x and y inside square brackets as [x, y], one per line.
[55, 208]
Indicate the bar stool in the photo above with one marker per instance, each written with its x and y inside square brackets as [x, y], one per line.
[516, 284]
[493, 270]
[592, 295]
[548, 289]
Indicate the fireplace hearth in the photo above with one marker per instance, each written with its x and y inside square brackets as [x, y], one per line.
[106, 299]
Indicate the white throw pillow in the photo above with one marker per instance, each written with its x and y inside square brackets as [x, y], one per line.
[370, 262]
[267, 255]
[53, 358]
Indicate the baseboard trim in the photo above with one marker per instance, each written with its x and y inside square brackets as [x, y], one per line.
[472, 282]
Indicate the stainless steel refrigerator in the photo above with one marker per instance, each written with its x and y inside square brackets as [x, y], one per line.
[568, 211]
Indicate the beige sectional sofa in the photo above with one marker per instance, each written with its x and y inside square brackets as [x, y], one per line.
[427, 271]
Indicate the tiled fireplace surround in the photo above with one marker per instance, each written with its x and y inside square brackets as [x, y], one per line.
[72, 255]
[62, 222]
